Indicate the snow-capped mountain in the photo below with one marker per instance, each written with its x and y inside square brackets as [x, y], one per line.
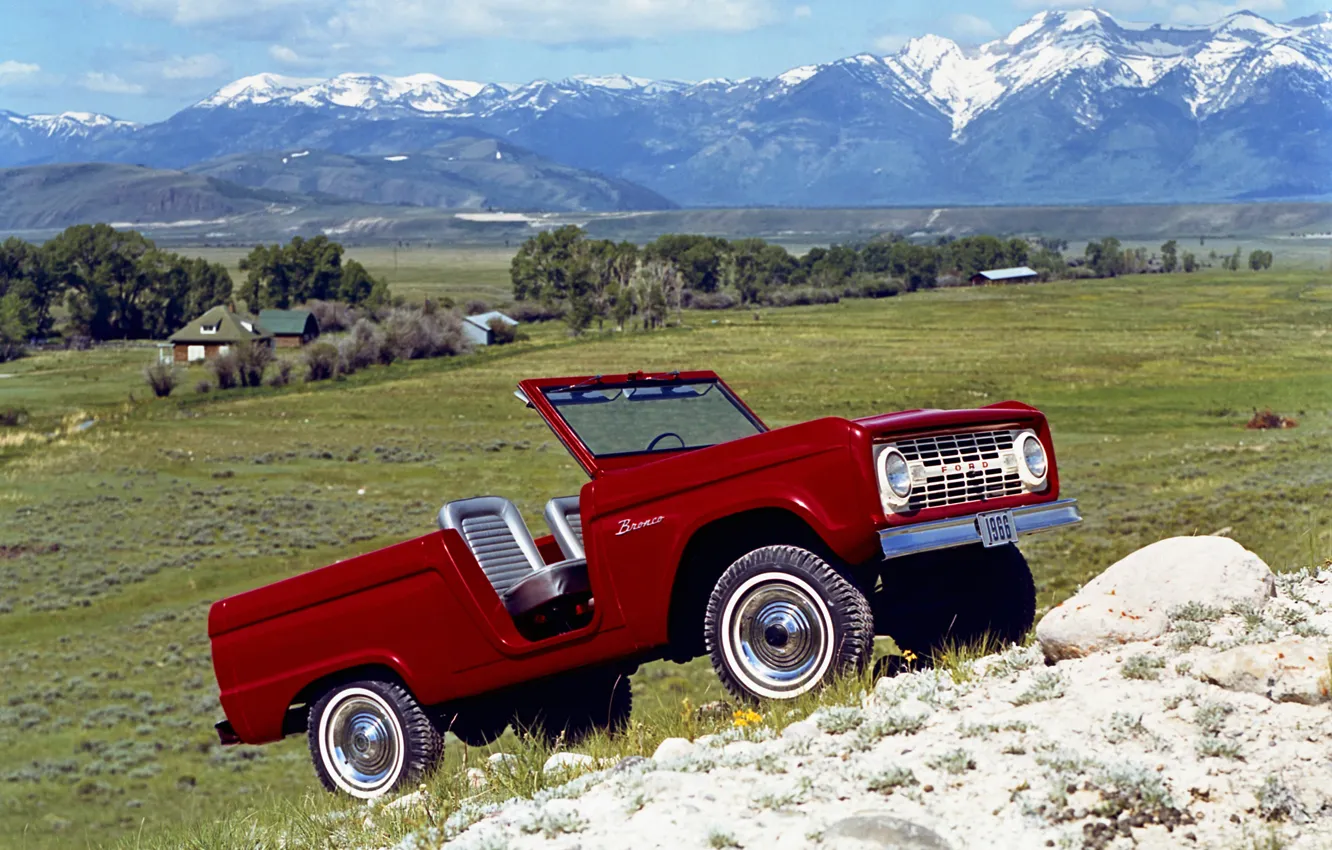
[1069, 106]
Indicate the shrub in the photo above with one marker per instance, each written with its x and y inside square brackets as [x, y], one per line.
[321, 361]
[710, 300]
[333, 315]
[504, 333]
[252, 361]
[872, 288]
[364, 347]
[800, 297]
[13, 416]
[203, 386]
[476, 307]
[414, 334]
[11, 349]
[225, 368]
[162, 378]
[1142, 667]
[534, 311]
[281, 374]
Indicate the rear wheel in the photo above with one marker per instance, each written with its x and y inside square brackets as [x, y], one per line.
[369, 737]
[956, 597]
[781, 622]
[573, 705]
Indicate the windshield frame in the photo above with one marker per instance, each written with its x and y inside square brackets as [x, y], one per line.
[534, 393]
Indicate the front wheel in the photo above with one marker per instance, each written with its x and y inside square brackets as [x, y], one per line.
[781, 622]
[369, 737]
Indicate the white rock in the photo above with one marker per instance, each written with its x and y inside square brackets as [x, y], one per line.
[568, 761]
[476, 778]
[406, 801]
[498, 759]
[1132, 599]
[740, 751]
[673, 749]
[1288, 670]
[800, 730]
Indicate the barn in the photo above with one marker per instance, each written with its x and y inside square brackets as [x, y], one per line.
[1021, 274]
[290, 328]
[478, 330]
[214, 333]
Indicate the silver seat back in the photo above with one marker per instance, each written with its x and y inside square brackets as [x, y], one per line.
[497, 536]
[566, 524]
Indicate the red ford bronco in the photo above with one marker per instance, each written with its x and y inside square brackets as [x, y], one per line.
[780, 553]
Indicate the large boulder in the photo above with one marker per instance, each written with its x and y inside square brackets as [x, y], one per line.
[1287, 670]
[1131, 600]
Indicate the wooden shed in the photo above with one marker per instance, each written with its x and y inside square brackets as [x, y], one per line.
[290, 328]
[214, 333]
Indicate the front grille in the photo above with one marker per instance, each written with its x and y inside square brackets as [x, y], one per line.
[944, 484]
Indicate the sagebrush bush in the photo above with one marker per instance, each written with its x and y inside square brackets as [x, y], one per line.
[364, 347]
[321, 361]
[503, 332]
[872, 288]
[281, 374]
[162, 378]
[226, 368]
[13, 416]
[476, 307]
[710, 300]
[252, 359]
[418, 333]
[800, 297]
[333, 315]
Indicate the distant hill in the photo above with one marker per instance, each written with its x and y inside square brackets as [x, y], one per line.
[458, 174]
[55, 196]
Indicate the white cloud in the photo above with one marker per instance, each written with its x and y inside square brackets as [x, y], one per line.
[802, 12]
[429, 23]
[13, 72]
[964, 27]
[1197, 12]
[204, 66]
[108, 83]
[891, 42]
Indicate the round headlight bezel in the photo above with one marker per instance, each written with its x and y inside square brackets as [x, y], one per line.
[887, 458]
[1030, 475]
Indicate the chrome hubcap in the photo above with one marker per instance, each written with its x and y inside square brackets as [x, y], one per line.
[779, 636]
[363, 743]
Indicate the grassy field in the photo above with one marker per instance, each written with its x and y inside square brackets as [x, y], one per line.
[117, 537]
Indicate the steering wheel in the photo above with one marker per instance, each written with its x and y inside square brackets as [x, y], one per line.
[657, 439]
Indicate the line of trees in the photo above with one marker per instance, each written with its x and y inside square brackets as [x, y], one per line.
[307, 270]
[117, 285]
[600, 280]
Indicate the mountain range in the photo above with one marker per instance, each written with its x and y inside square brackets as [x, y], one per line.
[1070, 107]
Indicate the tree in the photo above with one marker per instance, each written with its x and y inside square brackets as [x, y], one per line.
[306, 270]
[551, 266]
[1259, 260]
[697, 259]
[1106, 257]
[26, 274]
[1189, 262]
[1170, 256]
[1233, 261]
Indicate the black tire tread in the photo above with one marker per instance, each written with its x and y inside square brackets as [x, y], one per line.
[423, 742]
[845, 602]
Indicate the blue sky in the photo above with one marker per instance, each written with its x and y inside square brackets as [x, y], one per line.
[145, 59]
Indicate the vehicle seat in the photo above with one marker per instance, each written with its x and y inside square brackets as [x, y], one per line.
[566, 524]
[497, 536]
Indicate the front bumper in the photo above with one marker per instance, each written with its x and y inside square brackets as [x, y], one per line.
[962, 531]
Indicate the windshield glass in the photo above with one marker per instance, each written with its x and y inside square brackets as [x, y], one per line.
[621, 419]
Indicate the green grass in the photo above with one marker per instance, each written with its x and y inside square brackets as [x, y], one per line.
[163, 506]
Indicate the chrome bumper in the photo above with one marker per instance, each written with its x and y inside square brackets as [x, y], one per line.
[962, 531]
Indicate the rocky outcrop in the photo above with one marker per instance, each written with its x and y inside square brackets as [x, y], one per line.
[1208, 734]
[1134, 598]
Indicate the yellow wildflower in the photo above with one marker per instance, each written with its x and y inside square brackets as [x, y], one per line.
[746, 717]
[908, 656]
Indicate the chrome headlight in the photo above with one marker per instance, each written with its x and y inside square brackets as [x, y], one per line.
[894, 475]
[1035, 465]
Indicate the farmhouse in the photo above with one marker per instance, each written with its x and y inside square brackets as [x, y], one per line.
[1021, 274]
[290, 328]
[478, 330]
[214, 333]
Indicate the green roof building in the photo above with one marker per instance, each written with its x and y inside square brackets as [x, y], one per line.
[290, 328]
[214, 333]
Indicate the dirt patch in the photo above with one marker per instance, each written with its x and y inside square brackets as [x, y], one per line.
[1266, 419]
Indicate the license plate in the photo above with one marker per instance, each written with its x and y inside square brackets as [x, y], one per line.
[996, 529]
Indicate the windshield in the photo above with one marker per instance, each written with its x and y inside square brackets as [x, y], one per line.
[632, 419]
